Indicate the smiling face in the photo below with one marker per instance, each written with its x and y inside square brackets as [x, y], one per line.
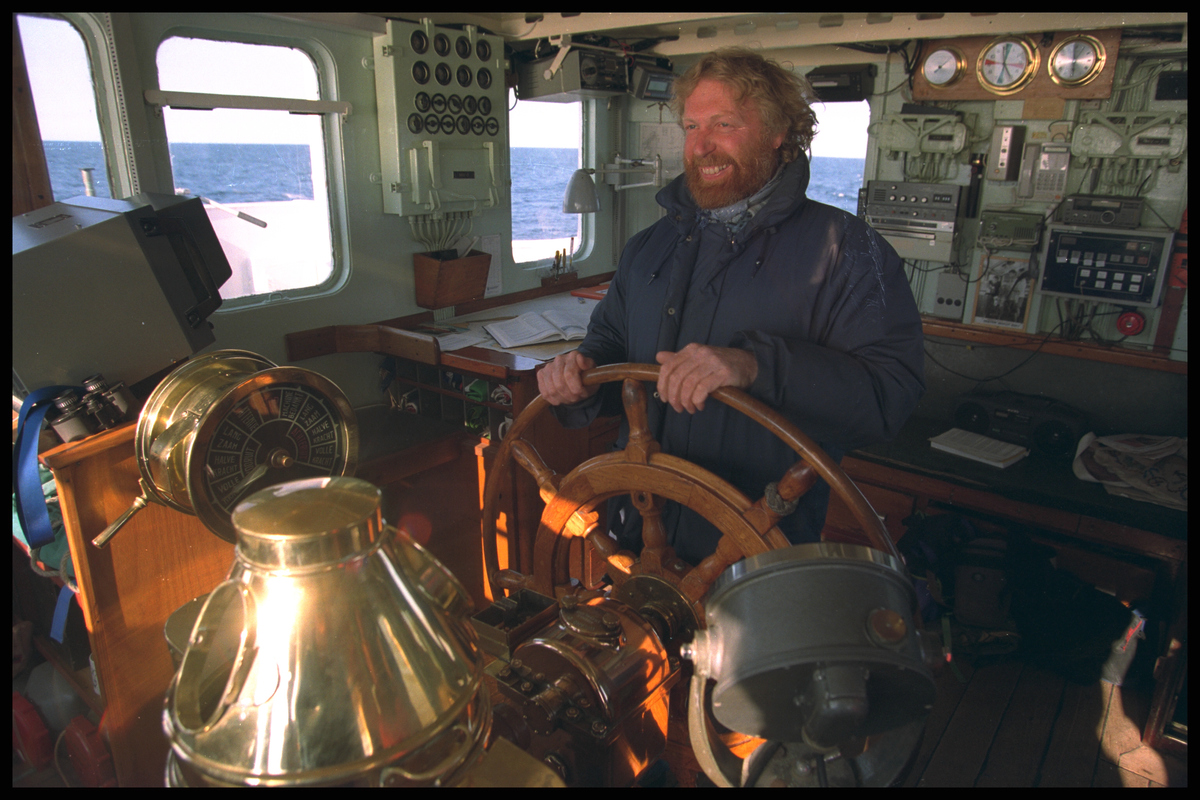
[728, 152]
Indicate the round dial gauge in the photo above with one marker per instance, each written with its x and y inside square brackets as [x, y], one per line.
[1076, 60]
[943, 67]
[1007, 64]
[282, 424]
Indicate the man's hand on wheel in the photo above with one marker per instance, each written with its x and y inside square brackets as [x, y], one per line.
[689, 376]
[560, 381]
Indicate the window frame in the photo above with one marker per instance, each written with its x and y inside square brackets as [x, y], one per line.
[587, 160]
[332, 112]
[131, 172]
[98, 39]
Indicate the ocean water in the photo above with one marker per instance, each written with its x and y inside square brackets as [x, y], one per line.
[247, 173]
[227, 173]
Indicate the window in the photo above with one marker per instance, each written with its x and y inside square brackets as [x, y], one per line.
[262, 173]
[60, 77]
[546, 147]
[839, 153]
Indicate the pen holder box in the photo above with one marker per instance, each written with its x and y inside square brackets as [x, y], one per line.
[443, 282]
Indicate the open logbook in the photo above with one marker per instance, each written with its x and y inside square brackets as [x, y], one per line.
[534, 327]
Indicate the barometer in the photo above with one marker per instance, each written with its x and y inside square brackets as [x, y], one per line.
[1076, 60]
[1007, 64]
[229, 423]
[944, 67]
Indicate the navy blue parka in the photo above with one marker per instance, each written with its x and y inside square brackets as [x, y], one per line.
[817, 296]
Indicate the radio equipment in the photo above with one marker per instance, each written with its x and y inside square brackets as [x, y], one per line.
[1042, 424]
[1122, 267]
[650, 83]
[920, 220]
[582, 73]
[1094, 209]
[1008, 230]
[843, 82]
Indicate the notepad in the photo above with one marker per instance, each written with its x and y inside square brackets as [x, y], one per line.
[978, 447]
[534, 328]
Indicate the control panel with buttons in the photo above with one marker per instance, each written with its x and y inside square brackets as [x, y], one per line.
[1121, 267]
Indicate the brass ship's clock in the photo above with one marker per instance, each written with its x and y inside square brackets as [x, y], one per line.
[944, 67]
[1007, 64]
[1076, 60]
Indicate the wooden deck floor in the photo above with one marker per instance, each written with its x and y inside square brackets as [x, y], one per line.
[1016, 725]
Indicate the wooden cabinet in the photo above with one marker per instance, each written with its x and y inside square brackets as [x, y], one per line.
[160, 560]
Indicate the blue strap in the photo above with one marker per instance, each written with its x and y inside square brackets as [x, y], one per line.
[59, 622]
[31, 502]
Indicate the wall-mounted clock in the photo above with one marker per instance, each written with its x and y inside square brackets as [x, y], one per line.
[1076, 60]
[943, 67]
[1007, 64]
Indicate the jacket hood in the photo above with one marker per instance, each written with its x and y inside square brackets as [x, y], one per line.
[788, 196]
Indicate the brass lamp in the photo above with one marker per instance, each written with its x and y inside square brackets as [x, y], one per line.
[337, 652]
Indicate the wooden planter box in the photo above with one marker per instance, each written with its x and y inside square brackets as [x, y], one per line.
[442, 283]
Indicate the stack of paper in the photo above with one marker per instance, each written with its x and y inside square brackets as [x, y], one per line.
[979, 448]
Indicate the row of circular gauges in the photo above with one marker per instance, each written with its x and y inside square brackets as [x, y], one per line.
[448, 123]
[1007, 64]
[443, 74]
[419, 41]
[454, 104]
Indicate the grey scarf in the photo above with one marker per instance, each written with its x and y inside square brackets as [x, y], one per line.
[736, 215]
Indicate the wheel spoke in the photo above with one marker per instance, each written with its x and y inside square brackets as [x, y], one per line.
[546, 479]
[697, 582]
[780, 500]
[657, 557]
[620, 561]
[641, 443]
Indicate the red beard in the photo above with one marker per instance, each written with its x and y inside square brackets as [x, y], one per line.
[742, 179]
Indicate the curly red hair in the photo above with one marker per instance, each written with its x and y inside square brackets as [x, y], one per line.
[784, 99]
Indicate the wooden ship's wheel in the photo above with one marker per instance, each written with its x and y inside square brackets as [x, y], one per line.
[650, 477]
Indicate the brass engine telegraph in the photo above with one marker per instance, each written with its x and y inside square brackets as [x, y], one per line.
[229, 423]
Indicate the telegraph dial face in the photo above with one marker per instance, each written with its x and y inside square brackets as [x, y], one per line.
[1076, 60]
[1007, 65]
[280, 425]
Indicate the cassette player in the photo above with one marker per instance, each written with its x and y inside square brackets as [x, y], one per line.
[1095, 209]
[920, 220]
[1042, 424]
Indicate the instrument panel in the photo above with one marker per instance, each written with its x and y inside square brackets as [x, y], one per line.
[1070, 65]
[442, 105]
[1121, 267]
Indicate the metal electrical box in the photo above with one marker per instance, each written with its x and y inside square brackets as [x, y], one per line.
[442, 118]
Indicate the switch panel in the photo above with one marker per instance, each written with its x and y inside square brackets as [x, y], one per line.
[1004, 162]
